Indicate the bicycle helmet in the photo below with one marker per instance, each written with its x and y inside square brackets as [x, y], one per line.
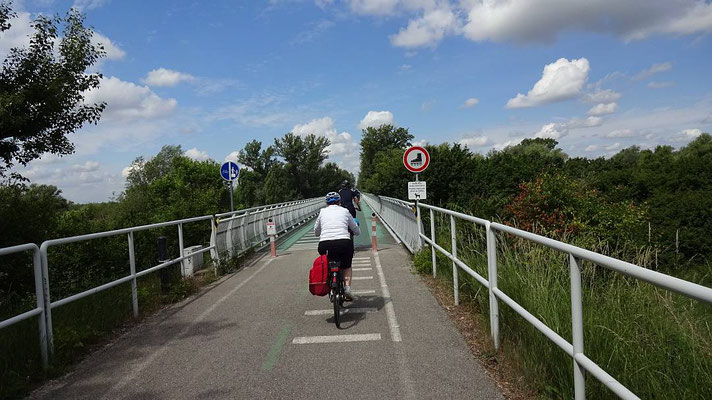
[332, 198]
[345, 184]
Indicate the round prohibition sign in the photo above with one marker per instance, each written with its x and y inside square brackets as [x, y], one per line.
[416, 159]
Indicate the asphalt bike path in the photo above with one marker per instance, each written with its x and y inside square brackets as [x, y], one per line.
[260, 334]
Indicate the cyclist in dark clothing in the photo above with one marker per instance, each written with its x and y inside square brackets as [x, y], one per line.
[348, 197]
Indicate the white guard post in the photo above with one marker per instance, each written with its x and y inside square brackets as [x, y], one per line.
[374, 243]
[271, 232]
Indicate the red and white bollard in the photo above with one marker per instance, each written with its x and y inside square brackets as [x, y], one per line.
[272, 247]
[272, 231]
[374, 243]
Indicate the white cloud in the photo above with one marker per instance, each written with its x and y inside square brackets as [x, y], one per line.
[166, 77]
[375, 119]
[319, 127]
[232, 156]
[553, 131]
[530, 21]
[588, 122]
[507, 143]
[527, 21]
[427, 30]
[373, 7]
[343, 149]
[613, 147]
[314, 31]
[197, 155]
[602, 96]
[471, 102]
[688, 134]
[113, 51]
[592, 147]
[603, 109]
[622, 133]
[18, 35]
[560, 80]
[79, 180]
[474, 141]
[428, 105]
[127, 101]
[421, 143]
[84, 5]
[258, 111]
[654, 69]
[127, 170]
[660, 85]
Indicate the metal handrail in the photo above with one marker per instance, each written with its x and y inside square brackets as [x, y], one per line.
[299, 211]
[40, 287]
[576, 255]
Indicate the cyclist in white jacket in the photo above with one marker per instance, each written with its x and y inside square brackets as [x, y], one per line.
[334, 226]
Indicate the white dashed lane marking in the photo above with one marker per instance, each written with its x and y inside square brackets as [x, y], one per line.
[344, 311]
[366, 337]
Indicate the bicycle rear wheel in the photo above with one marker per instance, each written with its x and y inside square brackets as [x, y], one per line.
[337, 310]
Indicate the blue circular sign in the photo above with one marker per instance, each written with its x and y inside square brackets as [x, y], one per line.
[229, 171]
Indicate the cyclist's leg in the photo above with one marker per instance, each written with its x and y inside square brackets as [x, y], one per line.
[344, 250]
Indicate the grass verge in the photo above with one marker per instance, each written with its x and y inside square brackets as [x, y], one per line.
[656, 343]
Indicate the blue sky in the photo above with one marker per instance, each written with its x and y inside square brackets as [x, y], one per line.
[597, 75]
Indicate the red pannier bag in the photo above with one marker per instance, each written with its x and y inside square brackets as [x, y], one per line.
[318, 276]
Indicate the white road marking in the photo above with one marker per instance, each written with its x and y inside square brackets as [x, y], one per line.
[390, 313]
[361, 258]
[344, 311]
[363, 291]
[361, 278]
[366, 337]
[138, 369]
[362, 269]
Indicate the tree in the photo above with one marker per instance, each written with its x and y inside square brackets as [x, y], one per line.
[303, 157]
[257, 159]
[42, 88]
[375, 140]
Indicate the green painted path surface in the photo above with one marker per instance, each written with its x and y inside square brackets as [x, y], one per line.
[304, 238]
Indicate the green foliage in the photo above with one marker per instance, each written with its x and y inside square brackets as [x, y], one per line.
[656, 343]
[377, 140]
[42, 88]
[300, 174]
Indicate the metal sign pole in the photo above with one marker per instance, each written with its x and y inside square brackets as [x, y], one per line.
[417, 218]
[231, 206]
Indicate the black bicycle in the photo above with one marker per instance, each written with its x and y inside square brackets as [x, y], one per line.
[336, 289]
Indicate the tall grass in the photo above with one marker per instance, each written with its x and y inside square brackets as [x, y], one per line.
[656, 343]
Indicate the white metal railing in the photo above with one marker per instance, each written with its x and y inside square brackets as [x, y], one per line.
[236, 234]
[399, 216]
[287, 215]
[392, 209]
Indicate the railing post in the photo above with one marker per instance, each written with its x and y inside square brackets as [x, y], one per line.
[47, 301]
[492, 277]
[39, 293]
[180, 249]
[432, 237]
[417, 221]
[214, 242]
[577, 326]
[455, 283]
[132, 265]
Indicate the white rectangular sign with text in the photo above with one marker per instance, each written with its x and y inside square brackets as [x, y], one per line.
[416, 190]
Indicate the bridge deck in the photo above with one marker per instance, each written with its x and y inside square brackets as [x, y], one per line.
[258, 334]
